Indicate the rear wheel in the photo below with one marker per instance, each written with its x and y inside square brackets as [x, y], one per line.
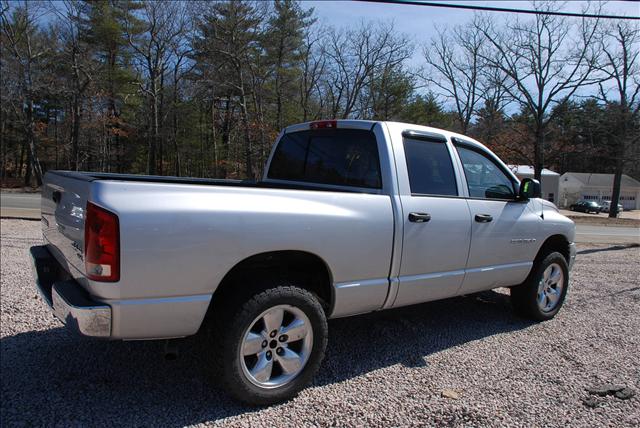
[273, 345]
[542, 294]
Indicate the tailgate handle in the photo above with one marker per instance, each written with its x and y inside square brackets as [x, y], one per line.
[56, 196]
[419, 217]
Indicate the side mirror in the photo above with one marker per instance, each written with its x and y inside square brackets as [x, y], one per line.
[499, 192]
[529, 188]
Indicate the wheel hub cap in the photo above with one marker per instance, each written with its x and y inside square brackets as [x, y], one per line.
[550, 287]
[276, 346]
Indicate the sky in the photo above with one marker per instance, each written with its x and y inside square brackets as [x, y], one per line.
[420, 22]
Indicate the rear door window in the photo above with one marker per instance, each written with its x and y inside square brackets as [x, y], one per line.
[430, 168]
[340, 157]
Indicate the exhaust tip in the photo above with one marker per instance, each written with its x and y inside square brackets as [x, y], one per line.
[170, 350]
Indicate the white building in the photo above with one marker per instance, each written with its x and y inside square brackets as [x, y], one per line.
[598, 187]
[549, 181]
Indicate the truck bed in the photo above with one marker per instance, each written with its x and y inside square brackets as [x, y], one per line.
[94, 176]
[179, 237]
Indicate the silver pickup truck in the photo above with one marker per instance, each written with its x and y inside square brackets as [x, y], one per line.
[350, 217]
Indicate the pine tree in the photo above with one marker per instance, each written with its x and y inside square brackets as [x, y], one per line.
[284, 43]
[104, 29]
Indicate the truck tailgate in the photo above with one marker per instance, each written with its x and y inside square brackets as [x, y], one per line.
[64, 201]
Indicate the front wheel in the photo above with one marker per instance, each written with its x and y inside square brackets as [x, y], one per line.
[273, 345]
[542, 294]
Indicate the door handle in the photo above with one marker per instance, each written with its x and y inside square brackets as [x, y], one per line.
[484, 218]
[419, 217]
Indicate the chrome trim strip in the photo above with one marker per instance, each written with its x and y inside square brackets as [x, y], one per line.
[364, 283]
[499, 267]
[421, 277]
[162, 300]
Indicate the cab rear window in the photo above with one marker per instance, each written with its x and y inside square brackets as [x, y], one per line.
[339, 157]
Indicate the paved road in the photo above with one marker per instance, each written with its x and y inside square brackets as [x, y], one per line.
[28, 205]
[20, 200]
[607, 234]
[25, 205]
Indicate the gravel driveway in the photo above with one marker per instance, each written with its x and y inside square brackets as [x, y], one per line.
[389, 368]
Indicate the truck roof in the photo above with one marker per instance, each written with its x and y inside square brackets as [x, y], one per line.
[368, 124]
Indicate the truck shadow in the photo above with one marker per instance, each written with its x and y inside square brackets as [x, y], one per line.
[611, 248]
[51, 377]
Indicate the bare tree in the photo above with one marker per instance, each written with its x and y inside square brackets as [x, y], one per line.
[545, 61]
[313, 67]
[455, 67]
[20, 31]
[355, 56]
[162, 24]
[620, 65]
[180, 52]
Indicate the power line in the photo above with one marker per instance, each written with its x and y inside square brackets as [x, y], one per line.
[501, 9]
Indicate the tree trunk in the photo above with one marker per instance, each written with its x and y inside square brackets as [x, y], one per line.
[160, 122]
[175, 126]
[615, 197]
[278, 86]
[75, 133]
[27, 173]
[55, 135]
[538, 153]
[112, 113]
[620, 157]
[625, 118]
[226, 138]
[257, 105]
[3, 146]
[201, 134]
[247, 135]
[20, 162]
[153, 141]
[33, 167]
[214, 136]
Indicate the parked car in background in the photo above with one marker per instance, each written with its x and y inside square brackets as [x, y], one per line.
[350, 217]
[585, 207]
[605, 206]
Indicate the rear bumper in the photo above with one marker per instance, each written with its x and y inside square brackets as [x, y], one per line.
[69, 302]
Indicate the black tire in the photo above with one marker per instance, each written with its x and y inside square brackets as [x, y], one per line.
[231, 333]
[524, 297]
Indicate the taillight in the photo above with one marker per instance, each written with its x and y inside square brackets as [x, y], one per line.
[101, 244]
[324, 124]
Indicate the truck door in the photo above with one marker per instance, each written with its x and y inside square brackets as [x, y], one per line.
[503, 229]
[436, 220]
